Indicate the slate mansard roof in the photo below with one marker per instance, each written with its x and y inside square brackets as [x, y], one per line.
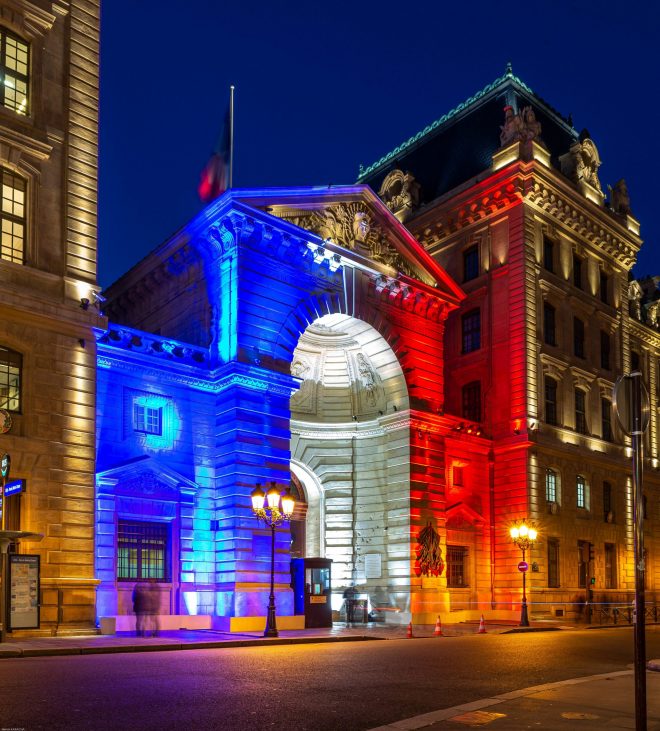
[460, 144]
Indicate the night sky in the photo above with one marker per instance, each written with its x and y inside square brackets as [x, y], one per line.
[323, 88]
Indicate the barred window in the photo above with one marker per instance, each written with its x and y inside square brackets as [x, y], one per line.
[551, 401]
[147, 419]
[581, 492]
[457, 573]
[12, 217]
[14, 72]
[471, 331]
[472, 401]
[471, 263]
[142, 551]
[11, 365]
[553, 563]
[551, 486]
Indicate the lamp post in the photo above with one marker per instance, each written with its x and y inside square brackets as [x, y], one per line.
[274, 508]
[523, 536]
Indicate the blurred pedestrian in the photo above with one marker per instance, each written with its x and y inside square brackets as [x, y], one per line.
[140, 607]
[152, 610]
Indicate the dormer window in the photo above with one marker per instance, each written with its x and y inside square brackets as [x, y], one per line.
[14, 72]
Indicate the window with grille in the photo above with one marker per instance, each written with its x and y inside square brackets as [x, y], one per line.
[12, 217]
[610, 566]
[580, 411]
[605, 348]
[548, 254]
[604, 287]
[606, 418]
[11, 364]
[551, 486]
[471, 263]
[607, 501]
[549, 328]
[472, 401]
[14, 72]
[577, 272]
[471, 331]
[581, 492]
[147, 419]
[551, 401]
[578, 337]
[142, 551]
[457, 569]
[553, 563]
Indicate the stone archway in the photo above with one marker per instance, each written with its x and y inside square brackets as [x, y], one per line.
[350, 441]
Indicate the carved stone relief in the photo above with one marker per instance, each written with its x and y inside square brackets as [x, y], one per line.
[304, 399]
[350, 225]
[522, 127]
[581, 163]
[400, 193]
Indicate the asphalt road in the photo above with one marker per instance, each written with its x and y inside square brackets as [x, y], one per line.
[331, 687]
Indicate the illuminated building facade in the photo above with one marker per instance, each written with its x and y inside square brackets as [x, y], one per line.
[424, 366]
[505, 195]
[48, 164]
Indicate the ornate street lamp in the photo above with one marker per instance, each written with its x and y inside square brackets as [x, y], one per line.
[274, 508]
[523, 536]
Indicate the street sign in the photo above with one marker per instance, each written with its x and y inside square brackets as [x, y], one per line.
[5, 464]
[622, 399]
[13, 487]
[523, 566]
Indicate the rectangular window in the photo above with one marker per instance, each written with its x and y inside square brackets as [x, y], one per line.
[606, 419]
[457, 476]
[142, 551]
[551, 486]
[583, 563]
[551, 401]
[11, 364]
[12, 217]
[553, 563]
[607, 502]
[578, 337]
[581, 492]
[471, 263]
[472, 401]
[580, 411]
[577, 272]
[147, 419]
[548, 254]
[605, 348]
[634, 361]
[610, 566]
[14, 70]
[457, 574]
[471, 331]
[604, 286]
[549, 332]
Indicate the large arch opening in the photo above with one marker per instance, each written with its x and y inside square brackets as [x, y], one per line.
[350, 459]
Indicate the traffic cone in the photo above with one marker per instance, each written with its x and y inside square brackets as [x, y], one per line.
[409, 634]
[438, 628]
[482, 626]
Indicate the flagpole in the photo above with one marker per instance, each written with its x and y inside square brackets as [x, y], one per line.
[231, 136]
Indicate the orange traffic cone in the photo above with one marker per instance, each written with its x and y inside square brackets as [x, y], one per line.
[438, 628]
[409, 634]
[482, 626]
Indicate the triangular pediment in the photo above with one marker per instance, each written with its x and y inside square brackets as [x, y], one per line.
[356, 220]
[462, 517]
[145, 476]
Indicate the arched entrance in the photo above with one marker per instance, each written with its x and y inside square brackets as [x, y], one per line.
[350, 451]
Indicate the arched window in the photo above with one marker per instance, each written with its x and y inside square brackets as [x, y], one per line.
[11, 365]
[14, 72]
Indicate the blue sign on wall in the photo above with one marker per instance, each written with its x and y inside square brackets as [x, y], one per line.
[13, 487]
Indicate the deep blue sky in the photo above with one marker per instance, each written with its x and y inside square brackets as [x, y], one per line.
[321, 88]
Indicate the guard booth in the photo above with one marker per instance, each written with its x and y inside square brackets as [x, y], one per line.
[311, 579]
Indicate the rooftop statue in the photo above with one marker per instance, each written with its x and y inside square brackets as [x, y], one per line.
[512, 129]
[530, 124]
[619, 198]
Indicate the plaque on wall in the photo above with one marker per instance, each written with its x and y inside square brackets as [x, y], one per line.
[372, 565]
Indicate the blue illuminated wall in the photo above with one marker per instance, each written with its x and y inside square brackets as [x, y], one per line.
[203, 334]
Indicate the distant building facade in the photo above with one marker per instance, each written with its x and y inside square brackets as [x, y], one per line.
[48, 161]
